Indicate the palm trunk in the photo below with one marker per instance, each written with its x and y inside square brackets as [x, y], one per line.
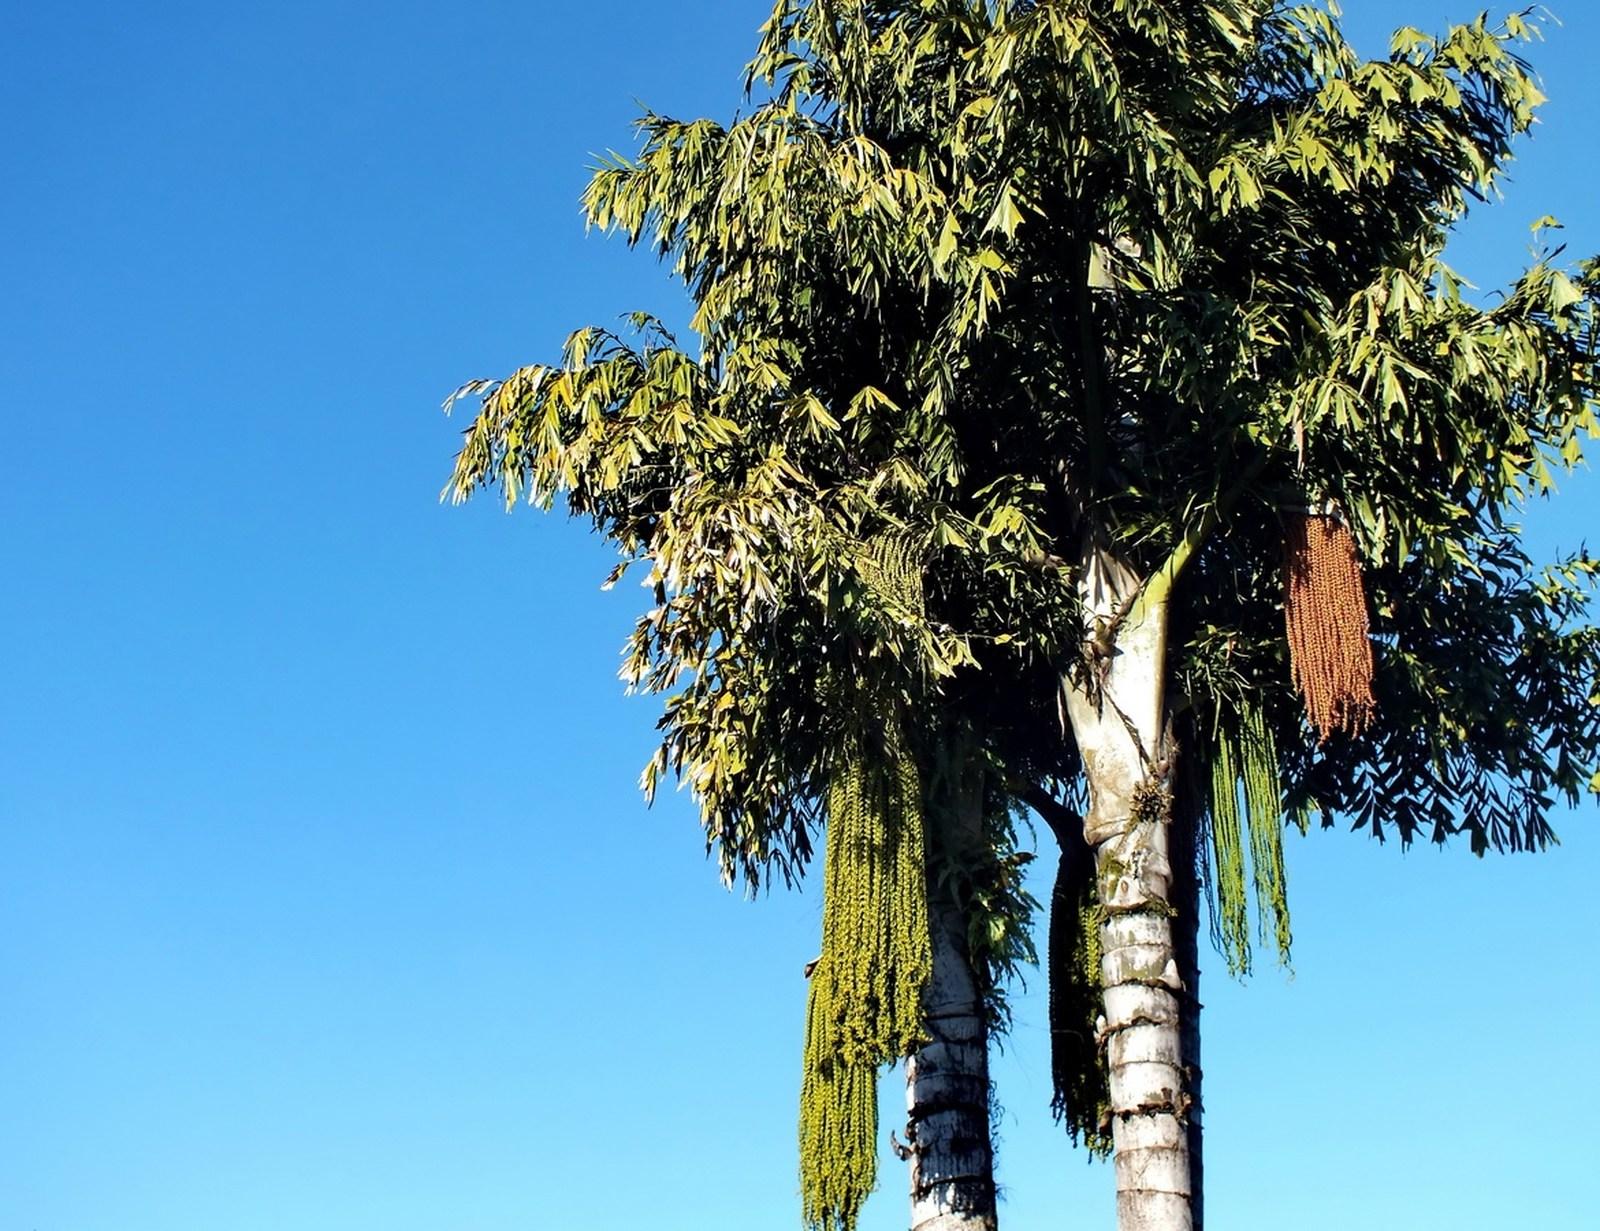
[1118, 720]
[947, 1079]
[1188, 902]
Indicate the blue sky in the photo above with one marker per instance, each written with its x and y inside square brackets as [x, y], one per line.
[327, 900]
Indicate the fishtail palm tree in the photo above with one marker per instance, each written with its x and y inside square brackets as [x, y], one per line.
[1083, 418]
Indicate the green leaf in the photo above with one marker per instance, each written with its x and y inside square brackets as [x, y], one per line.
[949, 237]
[1005, 217]
[1563, 294]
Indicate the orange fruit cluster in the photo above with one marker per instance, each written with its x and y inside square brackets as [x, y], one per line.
[1325, 609]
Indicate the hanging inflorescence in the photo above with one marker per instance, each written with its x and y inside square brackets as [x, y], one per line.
[890, 565]
[865, 1001]
[1325, 608]
[866, 989]
[1246, 801]
[1082, 1098]
[838, 1120]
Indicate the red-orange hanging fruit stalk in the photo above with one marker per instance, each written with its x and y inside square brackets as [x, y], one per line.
[1325, 608]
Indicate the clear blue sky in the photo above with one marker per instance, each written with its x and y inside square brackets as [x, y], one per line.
[326, 897]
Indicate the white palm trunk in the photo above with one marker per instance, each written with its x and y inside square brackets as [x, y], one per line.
[1187, 892]
[1117, 715]
[947, 1079]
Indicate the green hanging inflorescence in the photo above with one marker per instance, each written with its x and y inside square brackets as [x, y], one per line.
[865, 1006]
[838, 1119]
[890, 565]
[1247, 799]
[865, 1000]
[1082, 1099]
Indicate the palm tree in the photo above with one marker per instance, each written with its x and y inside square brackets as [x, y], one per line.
[1083, 418]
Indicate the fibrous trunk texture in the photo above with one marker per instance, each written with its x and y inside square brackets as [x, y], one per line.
[1117, 709]
[947, 1084]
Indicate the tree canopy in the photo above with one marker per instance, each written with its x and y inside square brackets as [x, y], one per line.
[1032, 284]
[897, 259]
